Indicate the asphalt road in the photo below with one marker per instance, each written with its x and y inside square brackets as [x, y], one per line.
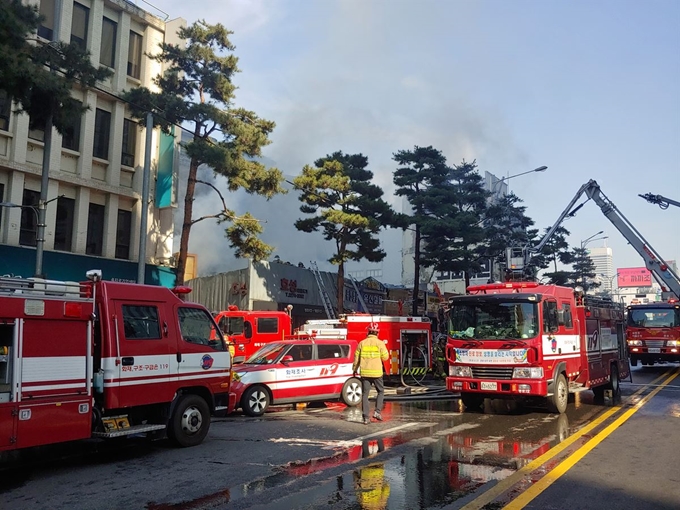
[426, 454]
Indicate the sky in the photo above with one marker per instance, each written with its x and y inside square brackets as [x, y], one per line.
[590, 89]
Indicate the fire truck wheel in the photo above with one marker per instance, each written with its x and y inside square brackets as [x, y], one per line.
[255, 401]
[472, 401]
[557, 403]
[351, 392]
[190, 421]
[614, 383]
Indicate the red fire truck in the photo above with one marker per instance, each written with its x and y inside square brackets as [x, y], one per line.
[249, 330]
[522, 340]
[653, 332]
[106, 359]
[408, 339]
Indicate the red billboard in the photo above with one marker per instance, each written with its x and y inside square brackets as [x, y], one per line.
[633, 277]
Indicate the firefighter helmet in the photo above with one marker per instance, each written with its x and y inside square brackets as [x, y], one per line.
[372, 328]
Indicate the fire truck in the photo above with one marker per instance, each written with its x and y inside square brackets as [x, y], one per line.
[551, 358]
[249, 330]
[653, 332]
[652, 336]
[106, 360]
[523, 340]
[408, 339]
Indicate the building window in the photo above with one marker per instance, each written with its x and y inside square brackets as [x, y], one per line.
[129, 143]
[5, 110]
[29, 218]
[71, 138]
[63, 230]
[2, 196]
[81, 16]
[102, 130]
[46, 28]
[107, 52]
[135, 55]
[36, 132]
[123, 232]
[95, 230]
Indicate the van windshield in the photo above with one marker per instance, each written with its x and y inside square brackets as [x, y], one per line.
[267, 354]
[493, 320]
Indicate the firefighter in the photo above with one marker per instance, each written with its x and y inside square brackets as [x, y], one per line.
[371, 487]
[440, 358]
[368, 361]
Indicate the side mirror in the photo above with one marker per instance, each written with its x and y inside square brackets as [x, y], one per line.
[287, 359]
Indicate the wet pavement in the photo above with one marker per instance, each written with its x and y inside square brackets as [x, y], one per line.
[425, 454]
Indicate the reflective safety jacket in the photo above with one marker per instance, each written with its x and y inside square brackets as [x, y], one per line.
[369, 357]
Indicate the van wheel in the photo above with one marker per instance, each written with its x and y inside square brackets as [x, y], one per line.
[190, 421]
[351, 392]
[472, 401]
[255, 401]
[557, 403]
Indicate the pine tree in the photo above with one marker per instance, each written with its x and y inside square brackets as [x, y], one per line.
[422, 178]
[197, 90]
[349, 209]
[455, 235]
[584, 270]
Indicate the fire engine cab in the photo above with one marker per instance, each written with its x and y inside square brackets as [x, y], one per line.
[106, 359]
[408, 339]
[522, 340]
[653, 332]
[249, 330]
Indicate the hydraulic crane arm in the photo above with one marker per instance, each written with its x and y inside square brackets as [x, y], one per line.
[660, 200]
[653, 261]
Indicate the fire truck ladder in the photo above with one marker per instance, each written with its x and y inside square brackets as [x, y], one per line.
[327, 305]
[360, 299]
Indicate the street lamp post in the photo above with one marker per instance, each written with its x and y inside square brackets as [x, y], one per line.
[584, 242]
[591, 238]
[496, 197]
[611, 280]
[503, 179]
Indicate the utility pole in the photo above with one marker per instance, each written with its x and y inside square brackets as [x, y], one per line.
[45, 176]
[42, 204]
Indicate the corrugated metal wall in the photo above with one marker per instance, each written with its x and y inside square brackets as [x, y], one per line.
[217, 292]
[262, 281]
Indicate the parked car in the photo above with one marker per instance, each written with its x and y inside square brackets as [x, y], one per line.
[293, 371]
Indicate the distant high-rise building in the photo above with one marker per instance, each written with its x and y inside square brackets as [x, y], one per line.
[604, 267]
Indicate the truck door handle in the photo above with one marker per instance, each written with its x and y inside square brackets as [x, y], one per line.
[179, 357]
[127, 361]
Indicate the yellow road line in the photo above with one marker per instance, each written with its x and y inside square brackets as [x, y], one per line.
[506, 483]
[532, 492]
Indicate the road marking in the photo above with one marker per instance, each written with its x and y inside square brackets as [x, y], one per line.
[358, 440]
[536, 489]
[506, 483]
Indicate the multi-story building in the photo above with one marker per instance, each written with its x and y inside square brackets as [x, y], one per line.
[94, 210]
[602, 258]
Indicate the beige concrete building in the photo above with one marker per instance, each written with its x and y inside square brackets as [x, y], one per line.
[96, 169]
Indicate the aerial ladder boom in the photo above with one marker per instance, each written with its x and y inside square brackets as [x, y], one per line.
[660, 200]
[653, 261]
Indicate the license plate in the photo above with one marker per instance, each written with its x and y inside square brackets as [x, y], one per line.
[490, 386]
[654, 350]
